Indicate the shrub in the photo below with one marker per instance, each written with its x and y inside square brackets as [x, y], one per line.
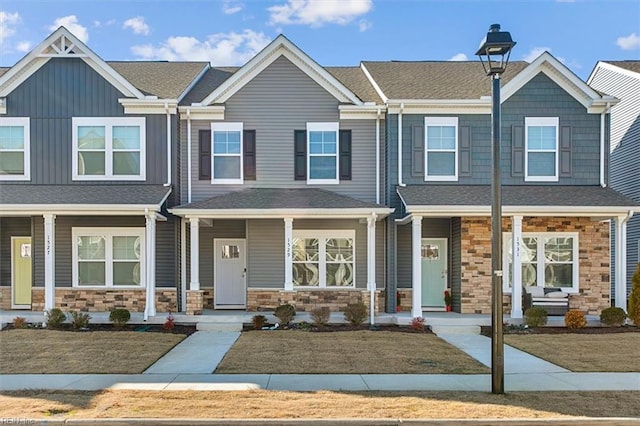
[613, 317]
[417, 324]
[79, 320]
[19, 322]
[633, 306]
[54, 317]
[285, 313]
[575, 319]
[535, 317]
[258, 321]
[320, 316]
[304, 326]
[169, 324]
[119, 316]
[356, 313]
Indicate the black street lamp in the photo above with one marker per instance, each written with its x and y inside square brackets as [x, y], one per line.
[494, 52]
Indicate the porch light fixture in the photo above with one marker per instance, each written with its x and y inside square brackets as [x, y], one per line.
[494, 53]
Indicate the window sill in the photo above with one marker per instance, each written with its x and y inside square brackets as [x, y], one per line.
[441, 179]
[322, 182]
[15, 177]
[111, 288]
[541, 179]
[107, 178]
[227, 181]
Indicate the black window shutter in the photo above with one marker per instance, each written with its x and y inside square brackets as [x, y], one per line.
[300, 154]
[417, 150]
[517, 151]
[204, 155]
[565, 151]
[345, 155]
[249, 154]
[464, 151]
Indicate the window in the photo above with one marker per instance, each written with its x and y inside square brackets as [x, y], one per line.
[14, 149]
[441, 148]
[108, 148]
[108, 257]
[324, 259]
[548, 260]
[226, 166]
[322, 146]
[541, 142]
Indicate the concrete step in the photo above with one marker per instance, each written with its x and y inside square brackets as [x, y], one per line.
[455, 329]
[219, 326]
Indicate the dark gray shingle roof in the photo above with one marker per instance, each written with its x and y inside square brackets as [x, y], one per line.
[521, 195]
[269, 198]
[627, 65]
[356, 81]
[25, 194]
[208, 83]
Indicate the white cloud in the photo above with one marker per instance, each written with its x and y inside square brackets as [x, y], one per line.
[630, 42]
[219, 49]
[137, 25]
[100, 24]
[534, 53]
[71, 23]
[318, 12]
[364, 25]
[459, 57]
[7, 24]
[229, 7]
[23, 46]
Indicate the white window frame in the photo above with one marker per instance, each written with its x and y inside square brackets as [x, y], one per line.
[108, 123]
[108, 234]
[23, 122]
[541, 122]
[227, 127]
[323, 127]
[540, 236]
[439, 122]
[323, 236]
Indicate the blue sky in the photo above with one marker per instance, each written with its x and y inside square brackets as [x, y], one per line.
[333, 32]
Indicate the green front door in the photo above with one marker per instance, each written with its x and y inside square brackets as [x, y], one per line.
[21, 272]
[434, 272]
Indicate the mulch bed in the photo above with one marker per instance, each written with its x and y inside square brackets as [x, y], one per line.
[153, 328]
[343, 327]
[486, 330]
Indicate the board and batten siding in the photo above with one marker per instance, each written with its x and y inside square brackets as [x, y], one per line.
[10, 227]
[276, 102]
[67, 88]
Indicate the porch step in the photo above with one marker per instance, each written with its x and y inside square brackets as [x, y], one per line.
[219, 326]
[455, 329]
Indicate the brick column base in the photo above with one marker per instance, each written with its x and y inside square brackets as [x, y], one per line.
[195, 302]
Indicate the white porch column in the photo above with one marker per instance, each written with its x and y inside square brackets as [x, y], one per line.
[195, 254]
[288, 253]
[150, 260]
[371, 265]
[183, 265]
[49, 261]
[621, 263]
[416, 266]
[516, 269]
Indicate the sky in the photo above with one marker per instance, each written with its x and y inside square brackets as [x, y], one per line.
[332, 32]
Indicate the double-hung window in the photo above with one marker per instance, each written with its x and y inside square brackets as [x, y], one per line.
[108, 257]
[110, 148]
[322, 149]
[324, 259]
[549, 259]
[541, 141]
[14, 149]
[226, 166]
[441, 148]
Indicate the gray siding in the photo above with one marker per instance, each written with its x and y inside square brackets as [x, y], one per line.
[219, 229]
[66, 88]
[10, 227]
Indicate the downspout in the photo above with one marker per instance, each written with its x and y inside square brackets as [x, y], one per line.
[400, 144]
[378, 157]
[188, 155]
[603, 182]
[166, 107]
[621, 263]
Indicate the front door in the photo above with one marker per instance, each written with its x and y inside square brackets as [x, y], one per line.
[230, 270]
[20, 272]
[434, 272]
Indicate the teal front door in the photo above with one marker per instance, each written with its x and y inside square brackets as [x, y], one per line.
[434, 272]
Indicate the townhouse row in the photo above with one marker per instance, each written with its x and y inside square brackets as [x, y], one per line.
[178, 186]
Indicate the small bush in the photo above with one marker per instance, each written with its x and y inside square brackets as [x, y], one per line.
[633, 306]
[19, 322]
[417, 324]
[575, 319]
[55, 317]
[304, 326]
[258, 321]
[613, 317]
[356, 313]
[535, 317]
[320, 316]
[80, 320]
[169, 324]
[119, 317]
[285, 313]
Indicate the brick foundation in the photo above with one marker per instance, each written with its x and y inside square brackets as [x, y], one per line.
[208, 298]
[195, 302]
[307, 300]
[406, 300]
[5, 298]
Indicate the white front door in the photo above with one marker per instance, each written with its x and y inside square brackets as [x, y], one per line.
[434, 272]
[230, 270]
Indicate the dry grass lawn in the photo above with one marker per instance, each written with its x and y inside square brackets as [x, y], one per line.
[345, 352]
[616, 352]
[64, 352]
[313, 405]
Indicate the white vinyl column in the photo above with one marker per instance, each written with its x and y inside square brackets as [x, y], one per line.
[621, 263]
[288, 253]
[150, 255]
[416, 266]
[49, 261]
[371, 264]
[194, 223]
[516, 269]
[183, 265]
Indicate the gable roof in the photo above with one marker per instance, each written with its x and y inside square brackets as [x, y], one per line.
[210, 81]
[628, 68]
[356, 80]
[633, 66]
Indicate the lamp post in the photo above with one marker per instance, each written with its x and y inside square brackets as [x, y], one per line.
[494, 53]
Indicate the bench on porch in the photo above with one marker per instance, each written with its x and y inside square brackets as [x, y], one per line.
[552, 299]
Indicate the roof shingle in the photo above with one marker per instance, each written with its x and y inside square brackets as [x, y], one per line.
[20, 194]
